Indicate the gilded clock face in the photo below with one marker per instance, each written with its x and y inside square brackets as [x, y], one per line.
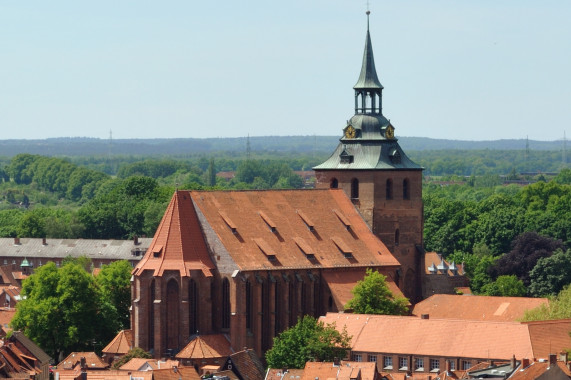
[350, 132]
[390, 132]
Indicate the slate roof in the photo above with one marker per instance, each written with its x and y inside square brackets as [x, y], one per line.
[206, 347]
[453, 338]
[31, 346]
[62, 248]
[121, 344]
[368, 77]
[479, 308]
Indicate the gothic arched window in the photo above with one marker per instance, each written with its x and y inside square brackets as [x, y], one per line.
[225, 304]
[389, 190]
[355, 188]
[405, 189]
[334, 183]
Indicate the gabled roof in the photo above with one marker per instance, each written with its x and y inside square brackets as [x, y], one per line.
[344, 371]
[247, 365]
[139, 364]
[249, 230]
[452, 338]
[74, 374]
[121, 344]
[34, 349]
[178, 244]
[479, 308]
[176, 373]
[206, 347]
[92, 361]
[279, 374]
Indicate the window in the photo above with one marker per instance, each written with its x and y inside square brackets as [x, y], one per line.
[419, 364]
[248, 305]
[452, 364]
[434, 365]
[334, 183]
[373, 358]
[405, 189]
[388, 362]
[389, 189]
[357, 358]
[13, 261]
[403, 363]
[5, 262]
[355, 188]
[466, 364]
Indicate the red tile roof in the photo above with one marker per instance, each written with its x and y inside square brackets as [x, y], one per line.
[344, 371]
[138, 364]
[206, 347]
[482, 308]
[176, 373]
[341, 284]
[178, 243]
[278, 374]
[237, 218]
[121, 344]
[452, 338]
[74, 374]
[92, 361]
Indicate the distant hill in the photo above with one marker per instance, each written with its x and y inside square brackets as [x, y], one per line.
[82, 146]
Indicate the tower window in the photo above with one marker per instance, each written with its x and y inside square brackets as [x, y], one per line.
[389, 190]
[334, 183]
[355, 188]
[225, 304]
[405, 189]
[248, 305]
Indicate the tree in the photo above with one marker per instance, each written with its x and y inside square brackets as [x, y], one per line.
[505, 286]
[372, 296]
[309, 339]
[551, 274]
[135, 352]
[115, 285]
[527, 248]
[558, 308]
[62, 310]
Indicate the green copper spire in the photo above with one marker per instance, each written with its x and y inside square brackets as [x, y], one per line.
[368, 78]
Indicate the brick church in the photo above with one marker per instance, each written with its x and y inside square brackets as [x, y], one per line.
[248, 264]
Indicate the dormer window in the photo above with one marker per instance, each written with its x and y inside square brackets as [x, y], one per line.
[345, 157]
[395, 156]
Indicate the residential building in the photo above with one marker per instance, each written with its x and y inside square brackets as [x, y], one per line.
[477, 308]
[417, 345]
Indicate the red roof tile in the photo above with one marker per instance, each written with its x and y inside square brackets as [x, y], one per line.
[178, 243]
[187, 373]
[344, 371]
[92, 361]
[283, 208]
[205, 347]
[452, 338]
[482, 308]
[121, 344]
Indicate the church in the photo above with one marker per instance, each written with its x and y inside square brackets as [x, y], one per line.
[248, 264]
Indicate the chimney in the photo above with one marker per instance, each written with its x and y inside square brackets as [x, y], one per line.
[44, 242]
[16, 241]
[552, 359]
[135, 240]
[424, 316]
[524, 363]
[336, 361]
[82, 363]
[563, 356]
[512, 362]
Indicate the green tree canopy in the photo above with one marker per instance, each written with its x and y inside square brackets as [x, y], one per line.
[114, 283]
[372, 296]
[309, 339]
[551, 274]
[135, 352]
[505, 286]
[558, 308]
[62, 310]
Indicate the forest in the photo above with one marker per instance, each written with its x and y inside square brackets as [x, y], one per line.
[504, 214]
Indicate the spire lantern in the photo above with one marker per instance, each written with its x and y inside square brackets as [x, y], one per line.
[368, 89]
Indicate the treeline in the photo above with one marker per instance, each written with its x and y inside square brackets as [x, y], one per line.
[51, 197]
[497, 231]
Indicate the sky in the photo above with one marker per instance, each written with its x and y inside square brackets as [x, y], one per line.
[451, 69]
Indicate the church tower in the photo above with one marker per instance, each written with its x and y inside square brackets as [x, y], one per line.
[382, 182]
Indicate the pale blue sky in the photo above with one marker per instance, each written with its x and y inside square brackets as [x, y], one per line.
[456, 69]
